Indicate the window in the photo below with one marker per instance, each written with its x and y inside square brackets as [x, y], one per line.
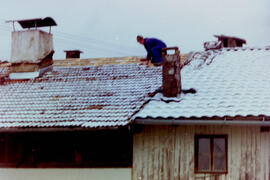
[104, 148]
[211, 153]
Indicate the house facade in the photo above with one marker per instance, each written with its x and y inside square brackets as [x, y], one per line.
[224, 152]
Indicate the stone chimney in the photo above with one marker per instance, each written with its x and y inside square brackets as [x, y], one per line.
[171, 76]
[31, 49]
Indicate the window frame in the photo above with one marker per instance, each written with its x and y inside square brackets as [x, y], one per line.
[196, 153]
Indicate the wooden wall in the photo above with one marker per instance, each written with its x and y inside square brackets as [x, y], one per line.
[167, 152]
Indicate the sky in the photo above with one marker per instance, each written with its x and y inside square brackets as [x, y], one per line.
[108, 28]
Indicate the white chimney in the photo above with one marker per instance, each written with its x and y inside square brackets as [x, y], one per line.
[31, 49]
[30, 46]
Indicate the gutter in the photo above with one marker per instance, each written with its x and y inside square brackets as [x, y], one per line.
[202, 122]
[54, 129]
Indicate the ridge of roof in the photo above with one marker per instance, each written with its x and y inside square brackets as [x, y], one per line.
[101, 61]
[96, 61]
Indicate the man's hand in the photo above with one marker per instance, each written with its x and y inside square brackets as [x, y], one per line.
[145, 62]
[144, 59]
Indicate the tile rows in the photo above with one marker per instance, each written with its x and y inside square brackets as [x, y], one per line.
[233, 83]
[78, 96]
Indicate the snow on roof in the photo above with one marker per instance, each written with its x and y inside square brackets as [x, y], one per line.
[228, 83]
[78, 96]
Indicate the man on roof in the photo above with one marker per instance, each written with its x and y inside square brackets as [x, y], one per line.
[153, 47]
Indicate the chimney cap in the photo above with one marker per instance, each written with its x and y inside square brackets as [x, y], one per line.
[76, 50]
[37, 22]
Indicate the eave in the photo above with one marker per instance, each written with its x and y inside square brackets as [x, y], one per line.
[257, 121]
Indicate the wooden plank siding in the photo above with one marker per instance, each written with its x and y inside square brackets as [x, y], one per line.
[167, 152]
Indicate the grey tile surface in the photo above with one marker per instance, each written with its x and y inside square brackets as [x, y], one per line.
[231, 82]
[104, 96]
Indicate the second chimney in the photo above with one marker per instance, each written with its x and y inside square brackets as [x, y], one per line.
[171, 76]
[72, 53]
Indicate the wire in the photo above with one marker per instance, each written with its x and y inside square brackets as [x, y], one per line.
[96, 43]
[95, 50]
[95, 40]
[92, 41]
[91, 44]
[4, 27]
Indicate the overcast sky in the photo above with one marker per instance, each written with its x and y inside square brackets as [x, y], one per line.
[108, 28]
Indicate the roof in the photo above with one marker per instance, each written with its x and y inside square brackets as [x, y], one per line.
[77, 96]
[37, 22]
[232, 82]
[96, 61]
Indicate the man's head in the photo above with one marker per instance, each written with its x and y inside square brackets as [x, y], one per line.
[140, 39]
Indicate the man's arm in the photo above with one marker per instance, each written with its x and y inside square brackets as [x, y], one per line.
[149, 56]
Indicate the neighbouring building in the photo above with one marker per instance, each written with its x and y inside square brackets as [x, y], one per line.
[230, 41]
[224, 42]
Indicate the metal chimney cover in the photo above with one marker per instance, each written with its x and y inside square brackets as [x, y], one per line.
[37, 22]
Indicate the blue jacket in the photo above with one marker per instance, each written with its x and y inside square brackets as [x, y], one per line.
[150, 43]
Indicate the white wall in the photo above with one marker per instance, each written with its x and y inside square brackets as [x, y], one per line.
[65, 174]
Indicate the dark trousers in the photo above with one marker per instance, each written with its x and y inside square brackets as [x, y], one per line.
[156, 54]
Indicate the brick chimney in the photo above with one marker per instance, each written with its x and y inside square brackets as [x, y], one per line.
[31, 49]
[171, 76]
[73, 53]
